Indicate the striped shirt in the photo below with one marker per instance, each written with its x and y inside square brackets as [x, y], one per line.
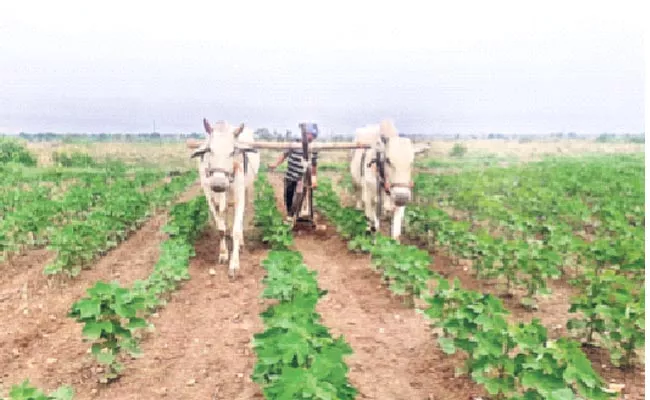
[295, 169]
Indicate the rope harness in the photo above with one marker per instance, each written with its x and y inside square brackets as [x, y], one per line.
[380, 160]
[229, 174]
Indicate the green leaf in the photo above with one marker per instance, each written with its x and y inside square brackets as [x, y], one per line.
[135, 323]
[63, 393]
[88, 308]
[101, 289]
[94, 330]
[562, 394]
[125, 310]
[96, 348]
[105, 357]
[25, 391]
[447, 345]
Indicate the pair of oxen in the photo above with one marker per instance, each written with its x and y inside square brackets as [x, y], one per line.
[228, 167]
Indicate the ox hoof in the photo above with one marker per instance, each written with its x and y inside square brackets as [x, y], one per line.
[232, 274]
[223, 258]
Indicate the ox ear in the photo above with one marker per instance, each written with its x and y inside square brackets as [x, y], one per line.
[200, 151]
[206, 125]
[239, 130]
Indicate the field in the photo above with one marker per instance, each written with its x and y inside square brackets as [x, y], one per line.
[522, 271]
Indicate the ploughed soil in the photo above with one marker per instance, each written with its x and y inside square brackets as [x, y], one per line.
[395, 353]
[199, 348]
[201, 345]
[37, 339]
[552, 311]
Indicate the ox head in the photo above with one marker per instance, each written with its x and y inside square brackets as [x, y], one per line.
[400, 153]
[218, 161]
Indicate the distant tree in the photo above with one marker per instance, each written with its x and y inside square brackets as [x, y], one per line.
[12, 150]
[458, 150]
[262, 134]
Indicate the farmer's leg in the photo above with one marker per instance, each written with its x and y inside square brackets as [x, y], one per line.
[289, 190]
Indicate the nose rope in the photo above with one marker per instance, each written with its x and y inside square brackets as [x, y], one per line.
[382, 173]
[236, 165]
[210, 171]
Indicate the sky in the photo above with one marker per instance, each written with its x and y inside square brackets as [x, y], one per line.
[468, 67]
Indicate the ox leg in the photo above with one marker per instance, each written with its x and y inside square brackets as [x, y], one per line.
[249, 193]
[373, 221]
[237, 228]
[359, 196]
[398, 218]
[218, 216]
[210, 201]
[207, 193]
[221, 226]
[388, 207]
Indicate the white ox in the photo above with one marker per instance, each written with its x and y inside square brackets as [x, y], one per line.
[399, 155]
[227, 174]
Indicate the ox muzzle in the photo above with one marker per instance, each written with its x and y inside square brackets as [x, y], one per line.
[400, 194]
[219, 180]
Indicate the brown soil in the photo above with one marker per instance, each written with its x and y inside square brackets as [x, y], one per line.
[395, 355]
[633, 379]
[37, 339]
[201, 348]
[553, 313]
[201, 345]
[552, 310]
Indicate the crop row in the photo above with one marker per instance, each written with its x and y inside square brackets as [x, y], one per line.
[43, 211]
[121, 210]
[611, 298]
[518, 262]
[512, 361]
[18, 192]
[12, 175]
[569, 203]
[297, 358]
[26, 391]
[112, 314]
[404, 268]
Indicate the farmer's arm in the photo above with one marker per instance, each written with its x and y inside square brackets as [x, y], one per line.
[280, 159]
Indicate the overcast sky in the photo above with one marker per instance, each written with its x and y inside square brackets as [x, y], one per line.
[433, 67]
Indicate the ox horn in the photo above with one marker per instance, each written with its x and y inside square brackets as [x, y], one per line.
[239, 130]
[207, 126]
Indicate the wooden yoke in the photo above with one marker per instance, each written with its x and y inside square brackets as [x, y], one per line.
[193, 144]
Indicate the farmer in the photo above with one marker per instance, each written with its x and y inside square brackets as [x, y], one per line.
[295, 170]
